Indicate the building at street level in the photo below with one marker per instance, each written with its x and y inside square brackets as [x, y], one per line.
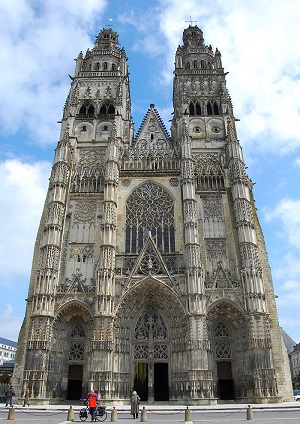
[150, 270]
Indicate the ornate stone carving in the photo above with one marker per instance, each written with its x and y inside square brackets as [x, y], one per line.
[60, 173]
[212, 209]
[243, 212]
[174, 182]
[216, 248]
[250, 258]
[89, 172]
[152, 322]
[237, 171]
[76, 352]
[223, 350]
[85, 212]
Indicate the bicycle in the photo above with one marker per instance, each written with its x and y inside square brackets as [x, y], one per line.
[101, 413]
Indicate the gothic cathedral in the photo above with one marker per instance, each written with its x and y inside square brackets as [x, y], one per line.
[150, 270]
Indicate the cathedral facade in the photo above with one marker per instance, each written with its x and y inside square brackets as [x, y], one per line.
[150, 270]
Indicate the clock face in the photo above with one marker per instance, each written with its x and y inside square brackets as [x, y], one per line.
[152, 128]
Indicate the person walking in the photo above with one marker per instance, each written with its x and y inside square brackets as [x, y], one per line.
[92, 400]
[9, 393]
[135, 404]
[26, 397]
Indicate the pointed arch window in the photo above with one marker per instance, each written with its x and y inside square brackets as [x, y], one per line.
[103, 110]
[195, 65]
[111, 110]
[150, 208]
[82, 110]
[91, 110]
[195, 108]
[105, 66]
[107, 109]
[209, 109]
[187, 65]
[192, 109]
[87, 111]
[216, 109]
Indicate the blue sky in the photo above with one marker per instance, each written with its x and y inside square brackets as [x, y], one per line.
[259, 42]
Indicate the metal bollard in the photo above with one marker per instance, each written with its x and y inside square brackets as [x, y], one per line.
[249, 413]
[11, 414]
[144, 417]
[114, 415]
[187, 415]
[70, 416]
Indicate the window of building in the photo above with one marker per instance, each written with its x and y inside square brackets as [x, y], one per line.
[216, 108]
[150, 208]
[195, 108]
[221, 330]
[209, 109]
[87, 111]
[107, 109]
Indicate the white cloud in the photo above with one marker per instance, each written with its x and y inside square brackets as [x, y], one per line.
[22, 193]
[41, 42]
[287, 213]
[260, 49]
[10, 323]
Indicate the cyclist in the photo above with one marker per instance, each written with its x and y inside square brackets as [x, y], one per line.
[92, 399]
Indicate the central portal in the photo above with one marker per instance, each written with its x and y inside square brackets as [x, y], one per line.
[160, 387]
[151, 357]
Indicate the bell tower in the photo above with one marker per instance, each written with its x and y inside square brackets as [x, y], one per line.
[222, 233]
[73, 266]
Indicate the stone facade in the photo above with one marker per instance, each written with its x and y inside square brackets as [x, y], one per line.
[150, 269]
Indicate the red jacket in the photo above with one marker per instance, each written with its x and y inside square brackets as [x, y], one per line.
[92, 399]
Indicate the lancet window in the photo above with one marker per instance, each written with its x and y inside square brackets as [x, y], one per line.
[107, 109]
[150, 208]
[87, 111]
[195, 108]
[212, 108]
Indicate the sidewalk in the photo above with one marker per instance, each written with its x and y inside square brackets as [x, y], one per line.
[159, 407]
[282, 413]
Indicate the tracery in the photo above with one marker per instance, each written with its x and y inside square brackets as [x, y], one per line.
[150, 208]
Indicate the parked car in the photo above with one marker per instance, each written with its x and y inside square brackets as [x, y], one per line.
[296, 394]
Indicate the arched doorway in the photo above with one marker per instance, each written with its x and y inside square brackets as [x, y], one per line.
[151, 356]
[227, 330]
[69, 358]
[150, 330]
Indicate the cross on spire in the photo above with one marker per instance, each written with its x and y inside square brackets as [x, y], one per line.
[191, 21]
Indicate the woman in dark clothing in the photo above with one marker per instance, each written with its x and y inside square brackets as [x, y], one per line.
[135, 404]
